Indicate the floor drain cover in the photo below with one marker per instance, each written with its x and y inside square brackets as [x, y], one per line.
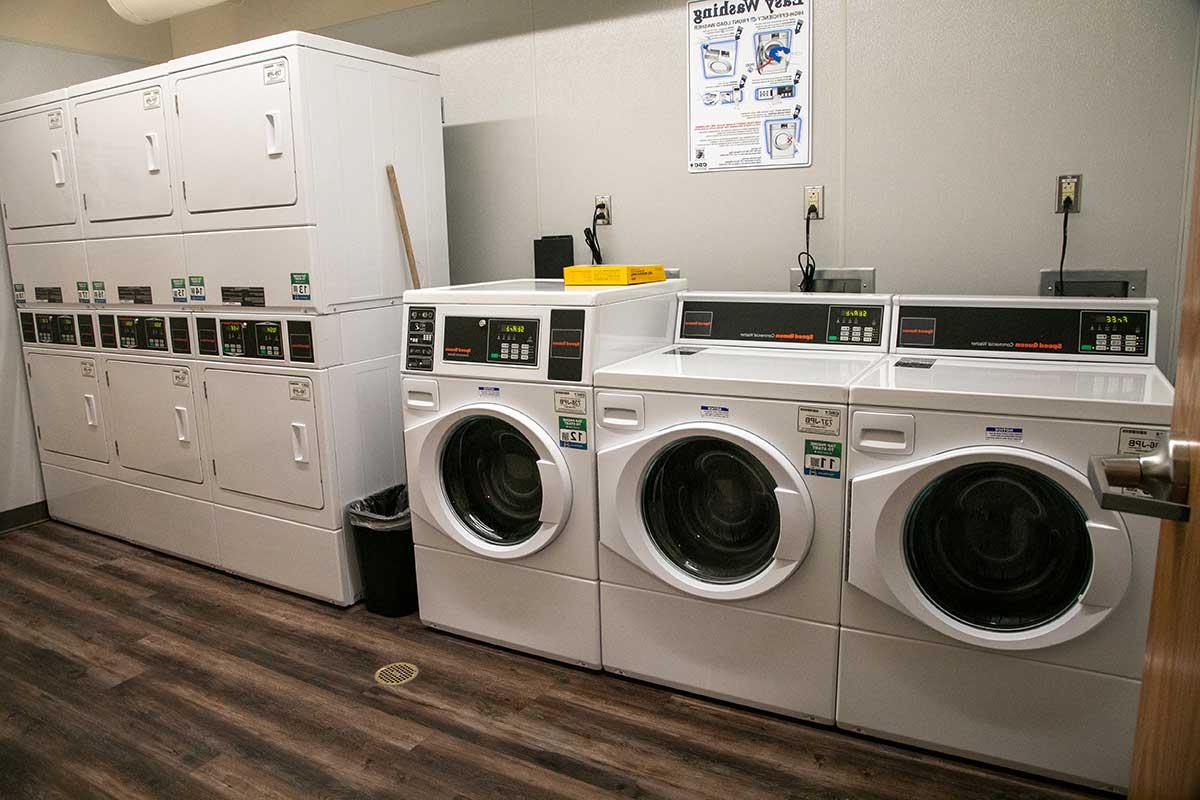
[396, 674]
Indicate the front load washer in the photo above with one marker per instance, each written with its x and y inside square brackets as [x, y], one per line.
[993, 609]
[722, 495]
[498, 411]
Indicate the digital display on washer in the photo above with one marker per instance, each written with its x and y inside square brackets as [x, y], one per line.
[782, 323]
[500, 341]
[1029, 331]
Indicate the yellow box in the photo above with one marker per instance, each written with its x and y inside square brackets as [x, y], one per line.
[614, 274]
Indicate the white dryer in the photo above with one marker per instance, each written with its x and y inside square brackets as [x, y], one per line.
[498, 411]
[721, 496]
[993, 608]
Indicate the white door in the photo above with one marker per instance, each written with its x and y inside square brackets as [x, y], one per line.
[65, 393]
[712, 510]
[121, 156]
[264, 435]
[36, 179]
[154, 419]
[235, 128]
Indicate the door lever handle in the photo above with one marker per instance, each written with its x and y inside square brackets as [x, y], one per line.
[1162, 477]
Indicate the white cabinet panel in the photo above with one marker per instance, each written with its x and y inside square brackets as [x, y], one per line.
[65, 394]
[49, 272]
[122, 155]
[126, 264]
[37, 177]
[235, 131]
[154, 419]
[264, 435]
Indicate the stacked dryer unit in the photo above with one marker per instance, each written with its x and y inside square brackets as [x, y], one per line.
[208, 247]
[993, 608]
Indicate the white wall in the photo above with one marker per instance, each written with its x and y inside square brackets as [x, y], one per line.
[939, 126]
[25, 70]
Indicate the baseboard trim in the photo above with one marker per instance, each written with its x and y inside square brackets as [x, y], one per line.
[23, 517]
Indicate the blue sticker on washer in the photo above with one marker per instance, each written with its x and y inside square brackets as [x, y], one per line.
[572, 433]
[715, 412]
[1003, 433]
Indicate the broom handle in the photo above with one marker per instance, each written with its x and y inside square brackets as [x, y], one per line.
[398, 206]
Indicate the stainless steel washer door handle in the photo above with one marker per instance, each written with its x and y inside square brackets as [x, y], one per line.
[1162, 475]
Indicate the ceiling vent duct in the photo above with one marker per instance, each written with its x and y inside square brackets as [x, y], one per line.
[145, 12]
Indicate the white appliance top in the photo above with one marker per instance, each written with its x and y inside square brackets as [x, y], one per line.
[55, 96]
[777, 373]
[122, 79]
[539, 292]
[301, 39]
[1088, 391]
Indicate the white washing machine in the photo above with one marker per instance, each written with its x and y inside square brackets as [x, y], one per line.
[498, 414]
[721, 496]
[993, 609]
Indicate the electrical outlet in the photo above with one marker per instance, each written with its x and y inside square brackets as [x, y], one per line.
[1068, 186]
[603, 209]
[814, 196]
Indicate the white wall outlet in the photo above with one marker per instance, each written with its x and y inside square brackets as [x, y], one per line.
[603, 209]
[1068, 186]
[814, 196]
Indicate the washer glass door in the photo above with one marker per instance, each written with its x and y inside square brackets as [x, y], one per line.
[709, 506]
[492, 481]
[998, 546]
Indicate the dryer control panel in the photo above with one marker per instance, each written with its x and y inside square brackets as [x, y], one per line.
[142, 333]
[1116, 333]
[56, 329]
[262, 339]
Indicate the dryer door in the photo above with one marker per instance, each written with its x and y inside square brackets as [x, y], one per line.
[994, 546]
[264, 435]
[713, 510]
[493, 480]
[65, 394]
[154, 418]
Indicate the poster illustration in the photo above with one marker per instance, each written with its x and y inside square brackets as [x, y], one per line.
[749, 84]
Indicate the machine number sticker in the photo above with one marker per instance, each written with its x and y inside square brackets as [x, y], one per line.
[99, 296]
[1003, 433]
[88, 369]
[179, 293]
[54, 119]
[300, 390]
[196, 291]
[151, 99]
[715, 412]
[301, 290]
[822, 459]
[821, 421]
[275, 72]
[19, 292]
[82, 291]
[1138, 441]
[572, 433]
[570, 402]
[180, 377]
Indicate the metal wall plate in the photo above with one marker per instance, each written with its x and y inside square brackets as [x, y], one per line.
[857, 280]
[1095, 282]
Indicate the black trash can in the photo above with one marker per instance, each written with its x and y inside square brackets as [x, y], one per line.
[383, 538]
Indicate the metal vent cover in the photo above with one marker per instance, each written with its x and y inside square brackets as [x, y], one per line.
[396, 674]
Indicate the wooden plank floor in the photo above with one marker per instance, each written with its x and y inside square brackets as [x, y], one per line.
[126, 673]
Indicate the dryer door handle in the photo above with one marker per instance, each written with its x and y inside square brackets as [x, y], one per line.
[89, 410]
[183, 427]
[552, 496]
[299, 443]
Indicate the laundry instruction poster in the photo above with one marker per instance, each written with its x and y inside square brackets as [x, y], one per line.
[749, 84]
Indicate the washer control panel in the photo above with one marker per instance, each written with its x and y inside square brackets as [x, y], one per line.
[779, 323]
[500, 341]
[1025, 331]
[418, 354]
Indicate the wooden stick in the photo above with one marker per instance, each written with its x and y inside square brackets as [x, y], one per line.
[398, 206]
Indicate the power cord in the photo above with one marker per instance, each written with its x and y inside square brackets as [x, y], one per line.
[808, 264]
[1061, 289]
[589, 236]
